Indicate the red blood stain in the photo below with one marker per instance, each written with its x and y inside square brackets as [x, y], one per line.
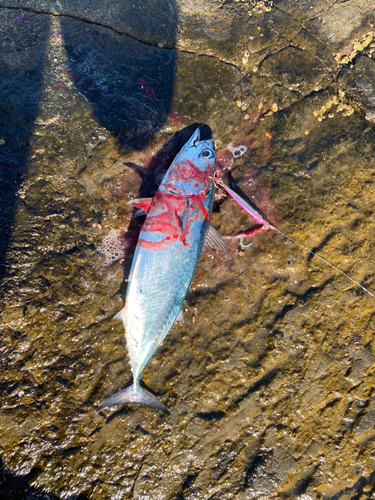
[175, 118]
[18, 18]
[188, 170]
[224, 162]
[166, 223]
[224, 159]
[121, 188]
[253, 178]
[199, 201]
[148, 90]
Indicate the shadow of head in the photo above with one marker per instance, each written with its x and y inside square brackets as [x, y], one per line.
[153, 172]
[127, 79]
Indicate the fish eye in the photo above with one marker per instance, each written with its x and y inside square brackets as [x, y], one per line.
[207, 153]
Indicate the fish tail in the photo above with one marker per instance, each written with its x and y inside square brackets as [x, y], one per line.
[135, 394]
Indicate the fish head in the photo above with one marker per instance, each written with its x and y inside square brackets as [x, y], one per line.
[191, 170]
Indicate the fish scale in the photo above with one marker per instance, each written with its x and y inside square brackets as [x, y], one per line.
[168, 250]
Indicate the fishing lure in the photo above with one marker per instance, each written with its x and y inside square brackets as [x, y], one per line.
[266, 225]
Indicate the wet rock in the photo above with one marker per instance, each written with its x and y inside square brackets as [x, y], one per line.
[270, 379]
[154, 23]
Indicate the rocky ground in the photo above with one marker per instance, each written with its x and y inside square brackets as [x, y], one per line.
[270, 380]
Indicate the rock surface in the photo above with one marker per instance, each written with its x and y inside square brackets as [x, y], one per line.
[270, 380]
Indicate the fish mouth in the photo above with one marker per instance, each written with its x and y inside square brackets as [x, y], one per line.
[195, 138]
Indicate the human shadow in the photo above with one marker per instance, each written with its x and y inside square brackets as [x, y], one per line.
[129, 84]
[20, 90]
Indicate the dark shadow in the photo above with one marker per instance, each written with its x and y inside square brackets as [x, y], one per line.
[211, 415]
[22, 35]
[14, 487]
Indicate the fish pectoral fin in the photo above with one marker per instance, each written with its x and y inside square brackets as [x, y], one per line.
[142, 204]
[180, 317]
[214, 241]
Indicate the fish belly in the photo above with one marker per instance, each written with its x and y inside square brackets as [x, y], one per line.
[159, 281]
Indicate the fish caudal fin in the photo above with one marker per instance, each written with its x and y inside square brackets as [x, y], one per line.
[139, 396]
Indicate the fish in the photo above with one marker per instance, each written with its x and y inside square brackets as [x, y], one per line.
[176, 230]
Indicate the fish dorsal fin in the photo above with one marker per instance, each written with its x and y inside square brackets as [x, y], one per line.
[142, 203]
[214, 241]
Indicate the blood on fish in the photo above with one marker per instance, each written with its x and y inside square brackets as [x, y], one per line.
[166, 222]
[192, 169]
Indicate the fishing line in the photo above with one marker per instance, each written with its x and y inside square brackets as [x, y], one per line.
[323, 259]
[257, 216]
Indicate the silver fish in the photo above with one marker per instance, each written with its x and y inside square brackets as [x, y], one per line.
[176, 230]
